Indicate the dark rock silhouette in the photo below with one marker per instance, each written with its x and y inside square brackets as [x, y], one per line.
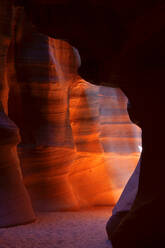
[125, 202]
[15, 207]
[138, 68]
[141, 78]
[139, 71]
[58, 116]
[67, 131]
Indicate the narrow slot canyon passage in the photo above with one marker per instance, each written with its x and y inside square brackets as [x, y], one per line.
[68, 146]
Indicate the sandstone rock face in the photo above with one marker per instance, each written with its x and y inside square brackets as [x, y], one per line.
[121, 139]
[66, 147]
[15, 205]
[84, 116]
[106, 141]
[74, 134]
[129, 193]
[89, 175]
[44, 68]
[118, 133]
[5, 40]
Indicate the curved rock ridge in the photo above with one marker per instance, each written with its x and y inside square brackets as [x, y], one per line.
[15, 204]
[89, 176]
[72, 132]
[120, 138]
[44, 69]
[46, 175]
[84, 116]
[118, 133]
[99, 119]
[15, 207]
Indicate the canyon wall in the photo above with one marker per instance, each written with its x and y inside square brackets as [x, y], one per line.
[15, 206]
[78, 145]
[74, 134]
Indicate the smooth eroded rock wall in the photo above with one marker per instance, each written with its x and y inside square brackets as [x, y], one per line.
[15, 204]
[77, 139]
[44, 68]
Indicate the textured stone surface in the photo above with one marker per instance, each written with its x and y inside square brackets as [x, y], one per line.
[84, 116]
[89, 175]
[118, 133]
[128, 195]
[73, 133]
[67, 126]
[15, 205]
[139, 67]
[44, 69]
[98, 118]
[78, 229]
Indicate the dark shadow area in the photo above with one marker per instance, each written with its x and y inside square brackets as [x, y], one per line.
[124, 46]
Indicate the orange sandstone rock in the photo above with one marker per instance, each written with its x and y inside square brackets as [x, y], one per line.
[15, 205]
[118, 133]
[44, 68]
[89, 176]
[73, 133]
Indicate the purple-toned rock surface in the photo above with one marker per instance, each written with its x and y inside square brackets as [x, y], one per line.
[15, 204]
[128, 195]
[70, 128]
[44, 69]
[78, 146]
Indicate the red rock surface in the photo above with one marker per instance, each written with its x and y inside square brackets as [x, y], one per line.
[118, 133]
[44, 69]
[15, 204]
[106, 141]
[73, 133]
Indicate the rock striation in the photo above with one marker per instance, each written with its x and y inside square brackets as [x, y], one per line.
[118, 133]
[64, 130]
[89, 175]
[15, 204]
[44, 69]
[107, 142]
[73, 133]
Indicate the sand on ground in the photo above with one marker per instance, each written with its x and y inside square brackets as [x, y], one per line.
[78, 229]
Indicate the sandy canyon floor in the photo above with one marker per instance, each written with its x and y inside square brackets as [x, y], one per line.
[84, 229]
